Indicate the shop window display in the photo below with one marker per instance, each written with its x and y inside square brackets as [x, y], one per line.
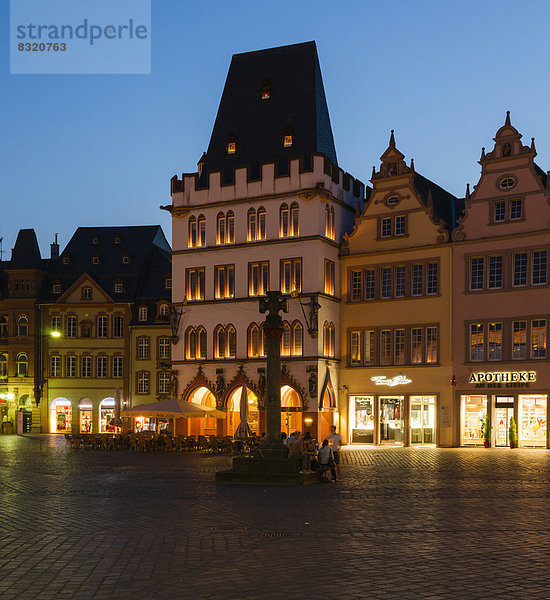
[474, 409]
[532, 419]
[106, 414]
[362, 416]
[85, 415]
[422, 419]
[60, 416]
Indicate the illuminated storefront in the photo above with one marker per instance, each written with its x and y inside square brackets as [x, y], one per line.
[504, 395]
[60, 416]
[106, 414]
[85, 415]
[388, 418]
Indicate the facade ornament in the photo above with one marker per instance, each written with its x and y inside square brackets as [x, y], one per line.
[261, 381]
[482, 154]
[533, 144]
[219, 385]
[173, 384]
[467, 197]
[412, 165]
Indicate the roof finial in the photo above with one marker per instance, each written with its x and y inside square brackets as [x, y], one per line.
[392, 140]
[467, 191]
[373, 172]
[507, 122]
[412, 164]
[533, 144]
[482, 153]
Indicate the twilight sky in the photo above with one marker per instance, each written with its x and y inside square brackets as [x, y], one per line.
[96, 150]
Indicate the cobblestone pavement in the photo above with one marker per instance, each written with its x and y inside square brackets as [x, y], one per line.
[402, 523]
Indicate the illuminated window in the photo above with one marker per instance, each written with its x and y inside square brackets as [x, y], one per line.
[477, 341]
[294, 219]
[225, 342]
[328, 339]
[329, 222]
[224, 281]
[95, 260]
[164, 310]
[287, 141]
[56, 323]
[494, 338]
[355, 348]
[538, 338]
[190, 343]
[230, 229]
[286, 340]
[416, 345]
[231, 147]
[329, 277]
[201, 233]
[261, 223]
[431, 344]
[283, 221]
[201, 339]
[192, 226]
[291, 275]
[3, 364]
[143, 313]
[265, 94]
[255, 341]
[71, 327]
[399, 347]
[194, 283]
[220, 228]
[251, 225]
[125, 260]
[297, 338]
[118, 288]
[258, 278]
[519, 340]
[168, 283]
[56, 288]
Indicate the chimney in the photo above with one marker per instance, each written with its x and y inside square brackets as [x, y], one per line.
[54, 249]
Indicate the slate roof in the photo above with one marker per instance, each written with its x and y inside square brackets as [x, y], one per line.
[445, 205]
[26, 253]
[296, 104]
[143, 278]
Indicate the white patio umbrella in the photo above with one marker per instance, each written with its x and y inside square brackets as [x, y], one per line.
[173, 408]
[243, 430]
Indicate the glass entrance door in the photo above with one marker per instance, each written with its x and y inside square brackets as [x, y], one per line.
[391, 419]
[502, 425]
[422, 419]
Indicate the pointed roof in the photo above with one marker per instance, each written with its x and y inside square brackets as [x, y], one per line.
[265, 91]
[26, 253]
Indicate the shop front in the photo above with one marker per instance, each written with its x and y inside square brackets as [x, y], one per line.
[85, 415]
[392, 419]
[504, 395]
[60, 416]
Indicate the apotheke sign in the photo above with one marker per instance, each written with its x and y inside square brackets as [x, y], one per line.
[503, 379]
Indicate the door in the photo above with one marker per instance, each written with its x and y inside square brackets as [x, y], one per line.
[422, 419]
[503, 414]
[391, 419]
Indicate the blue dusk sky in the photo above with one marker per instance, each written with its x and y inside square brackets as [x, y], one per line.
[98, 150]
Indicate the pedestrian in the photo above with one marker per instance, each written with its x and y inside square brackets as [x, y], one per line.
[298, 450]
[310, 449]
[291, 440]
[283, 438]
[335, 443]
[326, 461]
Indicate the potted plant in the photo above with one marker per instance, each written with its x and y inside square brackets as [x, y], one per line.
[486, 429]
[513, 433]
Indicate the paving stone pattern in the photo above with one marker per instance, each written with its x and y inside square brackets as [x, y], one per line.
[402, 523]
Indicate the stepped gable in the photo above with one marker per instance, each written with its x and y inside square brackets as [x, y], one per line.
[269, 94]
[26, 253]
[110, 244]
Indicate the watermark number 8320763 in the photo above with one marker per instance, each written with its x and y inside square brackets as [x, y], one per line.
[41, 47]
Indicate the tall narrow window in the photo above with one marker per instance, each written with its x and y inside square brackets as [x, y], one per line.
[163, 382]
[385, 347]
[540, 267]
[22, 364]
[56, 323]
[328, 339]
[519, 340]
[143, 313]
[417, 280]
[355, 348]
[494, 338]
[431, 344]
[369, 347]
[118, 326]
[102, 327]
[500, 211]
[224, 281]
[86, 366]
[291, 275]
[192, 232]
[385, 227]
[3, 364]
[55, 366]
[516, 212]
[143, 382]
[520, 268]
[399, 347]
[400, 225]
[356, 285]
[70, 366]
[231, 342]
[219, 342]
[164, 348]
[294, 219]
[283, 221]
[101, 366]
[71, 326]
[329, 277]
[201, 338]
[538, 338]
[143, 348]
[286, 340]
[329, 222]
[495, 272]
[251, 225]
[117, 366]
[432, 283]
[399, 282]
[201, 225]
[385, 289]
[194, 283]
[190, 343]
[220, 228]
[253, 341]
[477, 341]
[3, 325]
[370, 284]
[258, 278]
[416, 345]
[230, 227]
[297, 338]
[476, 273]
[261, 223]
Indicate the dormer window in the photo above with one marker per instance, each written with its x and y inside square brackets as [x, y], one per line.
[86, 293]
[66, 260]
[164, 310]
[266, 94]
[95, 240]
[116, 239]
[168, 283]
[265, 90]
[231, 147]
[125, 260]
[95, 260]
[118, 288]
[142, 313]
[56, 288]
[287, 141]
[507, 183]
